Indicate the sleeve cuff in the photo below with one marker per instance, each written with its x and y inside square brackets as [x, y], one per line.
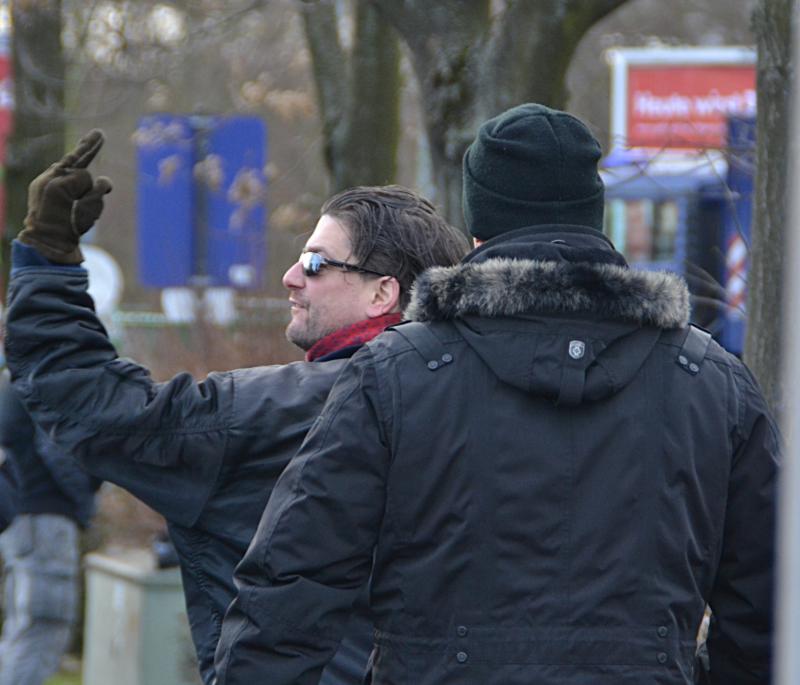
[23, 256]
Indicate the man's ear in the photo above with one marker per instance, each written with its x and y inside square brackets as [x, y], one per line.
[477, 242]
[385, 297]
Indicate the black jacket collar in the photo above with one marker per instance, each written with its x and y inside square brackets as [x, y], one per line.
[550, 243]
[568, 270]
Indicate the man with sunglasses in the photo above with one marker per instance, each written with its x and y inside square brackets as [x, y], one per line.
[206, 454]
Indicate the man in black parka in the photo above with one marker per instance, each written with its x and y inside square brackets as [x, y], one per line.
[548, 480]
[206, 454]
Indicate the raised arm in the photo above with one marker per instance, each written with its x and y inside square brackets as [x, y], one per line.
[163, 442]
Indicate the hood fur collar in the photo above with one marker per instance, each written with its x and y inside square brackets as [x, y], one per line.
[511, 287]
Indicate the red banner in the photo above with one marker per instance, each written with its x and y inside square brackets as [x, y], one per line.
[686, 106]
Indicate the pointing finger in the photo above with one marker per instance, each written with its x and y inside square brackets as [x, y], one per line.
[84, 152]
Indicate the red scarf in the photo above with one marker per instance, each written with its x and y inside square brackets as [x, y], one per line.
[354, 334]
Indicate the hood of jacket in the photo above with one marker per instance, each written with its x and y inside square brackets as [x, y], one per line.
[554, 310]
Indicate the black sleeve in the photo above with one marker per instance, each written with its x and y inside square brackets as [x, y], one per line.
[741, 635]
[313, 549]
[8, 495]
[15, 424]
[164, 442]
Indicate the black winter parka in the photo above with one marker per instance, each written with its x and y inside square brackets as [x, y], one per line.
[205, 455]
[552, 497]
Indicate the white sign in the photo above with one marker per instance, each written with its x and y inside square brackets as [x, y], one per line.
[105, 279]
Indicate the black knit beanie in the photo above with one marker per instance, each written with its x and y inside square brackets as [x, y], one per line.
[530, 166]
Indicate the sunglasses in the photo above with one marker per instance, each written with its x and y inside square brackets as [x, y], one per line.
[313, 262]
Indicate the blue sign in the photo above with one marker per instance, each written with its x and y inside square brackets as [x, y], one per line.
[236, 214]
[201, 203]
[165, 200]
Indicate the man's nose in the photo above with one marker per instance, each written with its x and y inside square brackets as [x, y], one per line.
[294, 276]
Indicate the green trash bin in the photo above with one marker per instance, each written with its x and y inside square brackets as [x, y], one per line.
[136, 630]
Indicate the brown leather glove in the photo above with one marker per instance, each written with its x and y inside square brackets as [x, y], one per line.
[64, 202]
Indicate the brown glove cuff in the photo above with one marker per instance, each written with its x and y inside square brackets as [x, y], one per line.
[56, 251]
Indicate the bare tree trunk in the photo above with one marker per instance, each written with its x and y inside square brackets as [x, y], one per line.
[445, 40]
[38, 133]
[471, 67]
[358, 94]
[772, 25]
[373, 129]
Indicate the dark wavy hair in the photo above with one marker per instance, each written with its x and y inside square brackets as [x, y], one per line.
[395, 232]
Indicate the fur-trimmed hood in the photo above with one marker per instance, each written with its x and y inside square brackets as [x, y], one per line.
[573, 332]
[511, 287]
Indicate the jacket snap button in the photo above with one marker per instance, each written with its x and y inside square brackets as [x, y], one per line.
[433, 365]
[447, 357]
[683, 361]
[662, 631]
[462, 631]
[461, 657]
[662, 657]
[694, 368]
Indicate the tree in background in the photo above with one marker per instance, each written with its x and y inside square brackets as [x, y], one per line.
[38, 130]
[358, 92]
[772, 23]
[128, 60]
[261, 57]
[268, 57]
[475, 59]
